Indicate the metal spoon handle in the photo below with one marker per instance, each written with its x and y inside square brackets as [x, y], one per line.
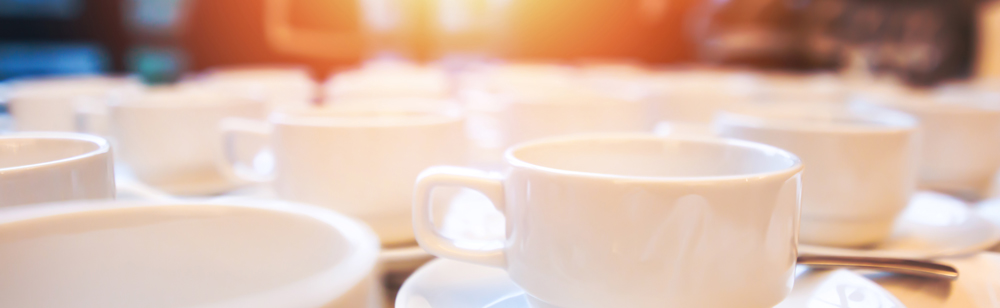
[900, 266]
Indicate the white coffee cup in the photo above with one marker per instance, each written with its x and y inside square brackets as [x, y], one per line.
[219, 254]
[275, 85]
[960, 137]
[49, 167]
[861, 163]
[695, 95]
[169, 138]
[388, 81]
[48, 104]
[359, 160]
[635, 221]
[538, 112]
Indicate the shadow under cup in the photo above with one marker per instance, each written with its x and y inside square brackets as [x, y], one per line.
[641, 221]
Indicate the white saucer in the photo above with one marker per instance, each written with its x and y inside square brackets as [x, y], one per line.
[129, 187]
[445, 283]
[933, 226]
[978, 286]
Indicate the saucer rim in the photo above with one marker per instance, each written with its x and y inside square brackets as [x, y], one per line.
[988, 242]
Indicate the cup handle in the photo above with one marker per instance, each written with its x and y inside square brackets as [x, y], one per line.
[489, 184]
[245, 138]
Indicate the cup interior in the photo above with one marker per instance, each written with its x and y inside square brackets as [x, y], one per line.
[27, 151]
[162, 256]
[653, 157]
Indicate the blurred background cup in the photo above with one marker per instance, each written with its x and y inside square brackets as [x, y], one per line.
[960, 130]
[532, 112]
[358, 159]
[169, 137]
[696, 94]
[54, 166]
[389, 80]
[674, 213]
[275, 85]
[48, 104]
[860, 163]
[225, 254]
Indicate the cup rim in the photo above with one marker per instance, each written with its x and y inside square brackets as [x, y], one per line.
[337, 280]
[870, 119]
[102, 147]
[796, 163]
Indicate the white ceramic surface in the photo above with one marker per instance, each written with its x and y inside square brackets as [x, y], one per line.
[170, 139]
[932, 226]
[185, 254]
[360, 160]
[529, 113]
[54, 166]
[695, 95]
[567, 246]
[861, 163]
[960, 136]
[278, 86]
[48, 104]
[388, 81]
[451, 284]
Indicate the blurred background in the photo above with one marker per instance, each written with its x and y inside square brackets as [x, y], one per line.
[922, 42]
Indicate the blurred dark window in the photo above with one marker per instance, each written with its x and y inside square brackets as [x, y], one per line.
[42, 37]
[61, 9]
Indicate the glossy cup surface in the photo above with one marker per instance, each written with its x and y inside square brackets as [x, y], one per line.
[49, 167]
[861, 163]
[635, 221]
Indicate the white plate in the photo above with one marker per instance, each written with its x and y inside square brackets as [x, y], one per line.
[933, 226]
[451, 284]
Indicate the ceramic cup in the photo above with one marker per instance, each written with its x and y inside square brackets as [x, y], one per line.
[635, 221]
[48, 104]
[388, 81]
[275, 85]
[860, 162]
[220, 254]
[169, 138]
[695, 95]
[49, 167]
[356, 159]
[537, 112]
[960, 138]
